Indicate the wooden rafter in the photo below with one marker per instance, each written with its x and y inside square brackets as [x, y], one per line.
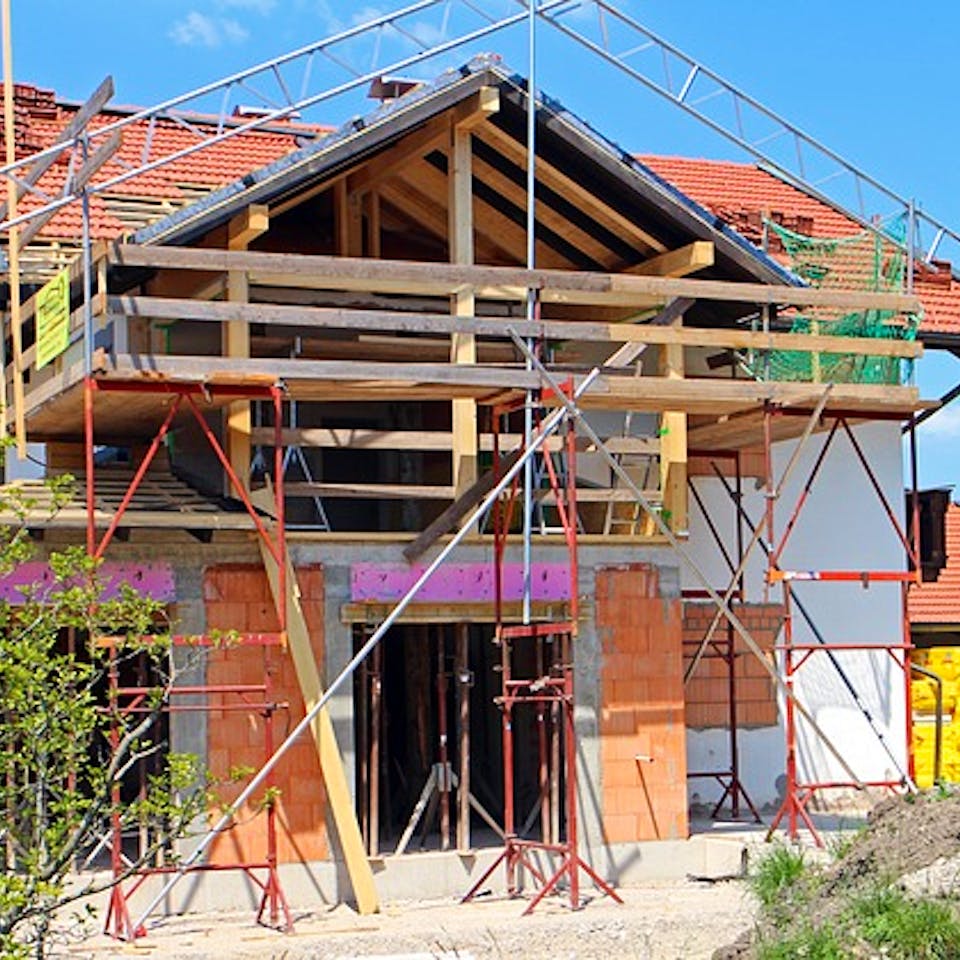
[567, 186]
[490, 223]
[590, 246]
[677, 263]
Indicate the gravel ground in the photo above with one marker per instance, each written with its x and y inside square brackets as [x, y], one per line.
[664, 921]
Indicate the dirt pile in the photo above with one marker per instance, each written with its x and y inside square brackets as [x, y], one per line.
[891, 879]
[903, 835]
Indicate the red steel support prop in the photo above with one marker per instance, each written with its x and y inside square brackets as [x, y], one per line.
[273, 903]
[553, 689]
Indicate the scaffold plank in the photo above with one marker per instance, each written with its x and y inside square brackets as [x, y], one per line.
[501, 282]
[336, 318]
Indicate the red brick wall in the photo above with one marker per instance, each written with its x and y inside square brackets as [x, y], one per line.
[237, 597]
[707, 691]
[641, 707]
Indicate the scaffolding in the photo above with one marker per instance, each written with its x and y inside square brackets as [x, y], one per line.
[724, 649]
[132, 700]
[800, 792]
[550, 691]
[256, 699]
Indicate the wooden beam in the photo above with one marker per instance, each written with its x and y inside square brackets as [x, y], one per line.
[370, 491]
[629, 352]
[463, 346]
[511, 283]
[348, 220]
[331, 763]
[245, 227]
[374, 223]
[78, 121]
[101, 156]
[673, 444]
[13, 241]
[573, 190]
[343, 379]
[459, 613]
[590, 246]
[421, 491]
[677, 263]
[429, 213]
[432, 136]
[351, 438]
[373, 346]
[334, 318]
[488, 222]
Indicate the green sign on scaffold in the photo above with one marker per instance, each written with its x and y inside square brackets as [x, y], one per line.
[53, 318]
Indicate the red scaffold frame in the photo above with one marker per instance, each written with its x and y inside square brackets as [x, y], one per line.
[798, 793]
[551, 693]
[183, 396]
[126, 701]
[725, 650]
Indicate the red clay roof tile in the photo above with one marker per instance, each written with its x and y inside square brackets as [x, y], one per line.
[40, 120]
[939, 600]
[741, 193]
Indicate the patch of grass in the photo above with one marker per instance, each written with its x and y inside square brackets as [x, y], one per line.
[808, 943]
[839, 845]
[775, 873]
[907, 929]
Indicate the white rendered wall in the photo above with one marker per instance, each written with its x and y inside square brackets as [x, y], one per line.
[842, 526]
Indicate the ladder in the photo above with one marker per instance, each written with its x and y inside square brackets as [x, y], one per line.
[629, 517]
[294, 453]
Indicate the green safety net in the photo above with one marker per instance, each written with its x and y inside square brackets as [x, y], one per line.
[872, 260]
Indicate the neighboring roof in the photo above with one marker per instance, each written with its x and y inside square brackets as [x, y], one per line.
[742, 194]
[938, 601]
[680, 217]
[40, 118]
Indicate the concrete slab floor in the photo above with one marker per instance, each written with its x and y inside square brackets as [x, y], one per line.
[657, 921]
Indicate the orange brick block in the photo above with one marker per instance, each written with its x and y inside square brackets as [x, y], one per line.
[238, 597]
[641, 683]
[620, 827]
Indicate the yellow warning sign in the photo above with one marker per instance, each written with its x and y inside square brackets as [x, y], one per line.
[53, 318]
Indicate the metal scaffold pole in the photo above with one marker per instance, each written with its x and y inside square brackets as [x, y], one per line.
[532, 298]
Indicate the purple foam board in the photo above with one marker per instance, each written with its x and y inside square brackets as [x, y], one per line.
[154, 580]
[456, 582]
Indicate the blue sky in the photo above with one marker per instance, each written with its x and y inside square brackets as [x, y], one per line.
[867, 78]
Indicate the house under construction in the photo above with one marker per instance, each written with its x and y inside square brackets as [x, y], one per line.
[615, 534]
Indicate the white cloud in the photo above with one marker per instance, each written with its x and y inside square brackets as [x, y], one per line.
[324, 11]
[263, 7]
[364, 15]
[944, 423]
[234, 32]
[198, 30]
[428, 34]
